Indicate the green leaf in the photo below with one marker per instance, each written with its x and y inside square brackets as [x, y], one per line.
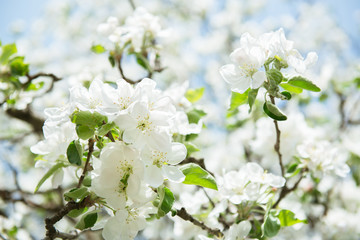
[274, 112]
[195, 115]
[76, 194]
[166, 201]
[191, 148]
[77, 212]
[87, 181]
[98, 49]
[303, 83]
[286, 94]
[191, 137]
[74, 152]
[18, 67]
[34, 86]
[275, 76]
[195, 175]
[7, 51]
[271, 225]
[104, 129]
[112, 60]
[291, 88]
[143, 62]
[48, 174]
[88, 119]
[87, 221]
[287, 218]
[84, 132]
[238, 99]
[252, 97]
[194, 95]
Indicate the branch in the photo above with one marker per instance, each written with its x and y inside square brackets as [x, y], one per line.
[285, 191]
[91, 149]
[182, 213]
[27, 116]
[132, 4]
[341, 109]
[118, 60]
[51, 232]
[277, 143]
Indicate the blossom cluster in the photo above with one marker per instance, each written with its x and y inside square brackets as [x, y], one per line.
[141, 30]
[143, 155]
[248, 70]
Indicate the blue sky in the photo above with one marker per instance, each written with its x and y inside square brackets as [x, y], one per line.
[346, 12]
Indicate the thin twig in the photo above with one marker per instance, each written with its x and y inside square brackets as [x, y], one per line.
[182, 213]
[91, 149]
[118, 60]
[285, 191]
[132, 4]
[110, 136]
[277, 143]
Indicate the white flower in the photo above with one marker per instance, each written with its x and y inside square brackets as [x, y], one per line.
[250, 183]
[238, 231]
[278, 46]
[323, 157]
[248, 59]
[87, 99]
[118, 100]
[144, 127]
[124, 225]
[109, 26]
[58, 136]
[158, 163]
[119, 175]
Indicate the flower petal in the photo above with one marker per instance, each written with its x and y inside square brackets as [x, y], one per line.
[173, 174]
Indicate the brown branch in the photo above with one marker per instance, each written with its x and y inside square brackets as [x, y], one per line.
[86, 167]
[118, 60]
[51, 232]
[341, 108]
[182, 213]
[277, 143]
[27, 116]
[110, 136]
[285, 191]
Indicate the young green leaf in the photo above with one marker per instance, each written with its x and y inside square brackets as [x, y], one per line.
[194, 95]
[87, 221]
[303, 83]
[88, 119]
[286, 94]
[84, 132]
[271, 225]
[251, 97]
[98, 49]
[74, 152]
[195, 115]
[238, 99]
[287, 218]
[191, 148]
[48, 174]
[195, 175]
[76, 194]
[7, 51]
[77, 212]
[104, 129]
[18, 67]
[291, 88]
[274, 76]
[274, 112]
[166, 201]
[34, 86]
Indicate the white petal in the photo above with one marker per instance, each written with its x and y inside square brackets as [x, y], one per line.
[173, 174]
[258, 79]
[125, 121]
[133, 136]
[153, 176]
[311, 59]
[57, 178]
[178, 154]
